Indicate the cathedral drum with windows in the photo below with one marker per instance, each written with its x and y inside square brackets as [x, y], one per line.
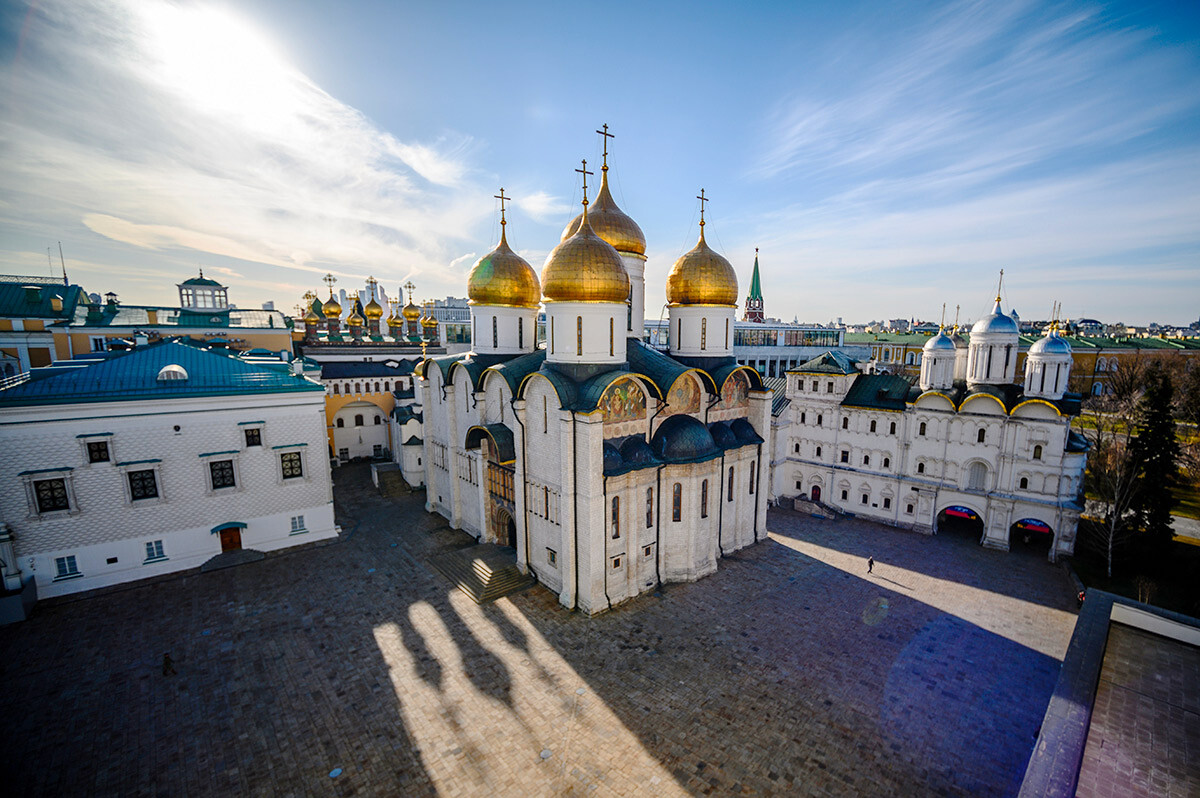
[608, 466]
[966, 450]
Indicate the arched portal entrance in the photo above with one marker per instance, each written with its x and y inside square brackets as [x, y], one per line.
[816, 493]
[1031, 535]
[230, 534]
[506, 530]
[960, 521]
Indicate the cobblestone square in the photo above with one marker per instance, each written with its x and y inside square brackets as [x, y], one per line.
[791, 671]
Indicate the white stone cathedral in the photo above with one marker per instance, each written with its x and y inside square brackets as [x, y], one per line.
[966, 445]
[609, 466]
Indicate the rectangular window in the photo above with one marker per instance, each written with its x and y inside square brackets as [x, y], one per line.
[297, 523]
[377, 450]
[704, 499]
[65, 567]
[579, 335]
[254, 436]
[51, 495]
[292, 467]
[222, 474]
[552, 556]
[154, 551]
[343, 454]
[887, 503]
[97, 451]
[611, 338]
[142, 485]
[908, 509]
[616, 561]
[495, 333]
[647, 551]
[845, 456]
[829, 387]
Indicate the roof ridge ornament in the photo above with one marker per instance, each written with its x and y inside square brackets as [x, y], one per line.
[703, 199]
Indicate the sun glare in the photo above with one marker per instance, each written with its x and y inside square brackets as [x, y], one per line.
[220, 64]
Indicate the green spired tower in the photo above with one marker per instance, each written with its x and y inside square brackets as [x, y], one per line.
[754, 302]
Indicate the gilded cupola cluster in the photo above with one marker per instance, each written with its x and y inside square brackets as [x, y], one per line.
[609, 222]
[585, 267]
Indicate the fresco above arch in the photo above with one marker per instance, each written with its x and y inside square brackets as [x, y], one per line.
[736, 391]
[685, 395]
[623, 401]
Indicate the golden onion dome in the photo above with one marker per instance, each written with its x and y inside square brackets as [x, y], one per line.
[702, 277]
[354, 319]
[429, 322]
[394, 320]
[331, 308]
[502, 277]
[610, 222]
[311, 317]
[585, 268]
[373, 310]
[411, 312]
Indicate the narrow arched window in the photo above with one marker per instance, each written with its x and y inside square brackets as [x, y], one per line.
[703, 333]
[336, 392]
[818, 451]
[977, 477]
[387, 385]
[579, 335]
[845, 423]
[887, 462]
[521, 332]
[376, 387]
[981, 436]
[649, 507]
[341, 423]
[921, 431]
[358, 420]
[866, 459]
[872, 425]
[677, 502]
[1024, 483]
[616, 517]
[495, 333]
[802, 418]
[704, 499]
[358, 387]
[552, 335]
[730, 484]
[920, 468]
[611, 337]
[378, 420]
[726, 333]
[1037, 452]
[818, 419]
[753, 472]
[892, 428]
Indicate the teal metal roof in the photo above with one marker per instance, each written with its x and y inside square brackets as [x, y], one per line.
[878, 391]
[202, 281]
[828, 363]
[133, 375]
[413, 440]
[662, 370]
[515, 370]
[405, 413]
[19, 303]
[501, 437]
[683, 439]
[138, 316]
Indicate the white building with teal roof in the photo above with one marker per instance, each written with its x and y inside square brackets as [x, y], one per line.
[123, 466]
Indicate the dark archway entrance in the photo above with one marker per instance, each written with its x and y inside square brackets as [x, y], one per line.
[231, 538]
[816, 493]
[962, 522]
[506, 529]
[1031, 535]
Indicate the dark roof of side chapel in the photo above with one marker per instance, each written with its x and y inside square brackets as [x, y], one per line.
[828, 363]
[683, 439]
[744, 431]
[723, 436]
[878, 392]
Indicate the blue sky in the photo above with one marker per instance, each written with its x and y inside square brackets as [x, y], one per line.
[886, 158]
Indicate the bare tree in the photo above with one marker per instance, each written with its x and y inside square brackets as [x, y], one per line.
[1112, 475]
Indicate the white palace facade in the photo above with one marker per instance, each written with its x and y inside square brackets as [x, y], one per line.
[609, 466]
[965, 447]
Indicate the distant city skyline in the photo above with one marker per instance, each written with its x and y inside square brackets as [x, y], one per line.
[884, 159]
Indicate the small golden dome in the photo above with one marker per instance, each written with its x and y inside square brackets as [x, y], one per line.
[331, 308]
[411, 312]
[373, 310]
[355, 320]
[585, 268]
[702, 277]
[394, 320]
[502, 277]
[311, 317]
[429, 322]
[610, 223]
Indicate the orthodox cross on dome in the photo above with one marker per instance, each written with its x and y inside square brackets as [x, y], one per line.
[703, 199]
[371, 283]
[1000, 285]
[329, 280]
[943, 324]
[410, 288]
[502, 199]
[607, 136]
[585, 174]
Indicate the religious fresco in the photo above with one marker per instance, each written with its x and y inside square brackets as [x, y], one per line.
[685, 395]
[623, 401]
[736, 391]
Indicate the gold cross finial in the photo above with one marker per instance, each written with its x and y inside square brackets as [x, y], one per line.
[371, 283]
[943, 324]
[502, 199]
[703, 199]
[606, 136]
[1000, 285]
[329, 280]
[409, 285]
[585, 174]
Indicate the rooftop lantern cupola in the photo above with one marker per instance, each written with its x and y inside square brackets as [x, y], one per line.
[202, 294]
[332, 310]
[373, 312]
[1048, 365]
[613, 225]
[586, 291]
[504, 296]
[411, 313]
[702, 295]
[992, 357]
[937, 360]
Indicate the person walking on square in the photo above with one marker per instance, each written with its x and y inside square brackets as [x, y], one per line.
[870, 564]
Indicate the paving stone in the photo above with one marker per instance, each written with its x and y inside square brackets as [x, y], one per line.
[789, 671]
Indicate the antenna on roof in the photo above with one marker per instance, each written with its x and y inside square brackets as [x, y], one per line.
[63, 261]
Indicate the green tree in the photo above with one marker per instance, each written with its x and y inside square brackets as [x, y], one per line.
[1156, 451]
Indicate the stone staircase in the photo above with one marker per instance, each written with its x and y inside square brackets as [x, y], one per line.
[484, 572]
[228, 559]
[392, 485]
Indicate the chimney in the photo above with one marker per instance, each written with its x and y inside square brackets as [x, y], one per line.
[298, 367]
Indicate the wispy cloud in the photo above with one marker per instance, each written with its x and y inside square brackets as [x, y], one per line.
[543, 207]
[179, 127]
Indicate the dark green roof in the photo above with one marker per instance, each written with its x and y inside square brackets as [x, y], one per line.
[878, 391]
[828, 363]
[18, 302]
[202, 281]
[413, 440]
[662, 370]
[133, 375]
[515, 370]
[501, 437]
[405, 413]
[138, 316]
[1076, 442]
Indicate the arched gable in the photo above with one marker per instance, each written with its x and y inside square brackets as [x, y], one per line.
[980, 404]
[934, 400]
[563, 388]
[1036, 408]
[685, 394]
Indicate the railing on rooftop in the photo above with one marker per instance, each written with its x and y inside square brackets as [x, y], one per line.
[25, 279]
[16, 379]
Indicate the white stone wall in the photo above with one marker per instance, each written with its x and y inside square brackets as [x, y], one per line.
[701, 330]
[603, 328]
[104, 523]
[500, 330]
